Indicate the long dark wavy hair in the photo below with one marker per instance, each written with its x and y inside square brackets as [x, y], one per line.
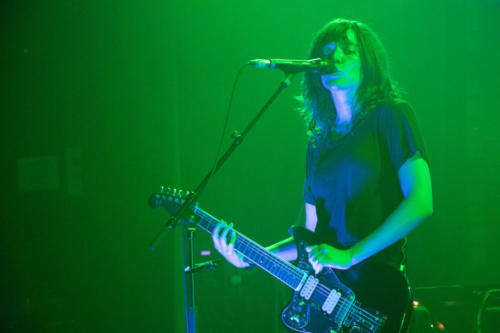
[376, 85]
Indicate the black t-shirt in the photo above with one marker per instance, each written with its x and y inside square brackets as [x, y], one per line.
[353, 180]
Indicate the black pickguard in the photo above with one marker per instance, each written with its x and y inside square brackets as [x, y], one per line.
[379, 289]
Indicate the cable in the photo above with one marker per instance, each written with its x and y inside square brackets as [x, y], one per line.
[226, 122]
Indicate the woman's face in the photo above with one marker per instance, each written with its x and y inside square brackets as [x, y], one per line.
[347, 63]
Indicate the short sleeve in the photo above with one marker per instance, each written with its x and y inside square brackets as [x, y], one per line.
[400, 132]
[307, 194]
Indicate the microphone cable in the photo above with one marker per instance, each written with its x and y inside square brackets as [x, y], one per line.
[226, 121]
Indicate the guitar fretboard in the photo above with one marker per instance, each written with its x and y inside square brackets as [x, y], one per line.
[271, 263]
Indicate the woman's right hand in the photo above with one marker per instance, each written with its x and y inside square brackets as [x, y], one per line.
[219, 236]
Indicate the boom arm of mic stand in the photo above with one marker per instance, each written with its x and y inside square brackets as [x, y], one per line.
[237, 140]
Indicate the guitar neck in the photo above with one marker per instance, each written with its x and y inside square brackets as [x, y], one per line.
[271, 263]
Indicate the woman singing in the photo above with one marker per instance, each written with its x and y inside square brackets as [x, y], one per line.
[367, 179]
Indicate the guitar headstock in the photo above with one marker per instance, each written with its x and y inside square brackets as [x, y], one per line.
[169, 198]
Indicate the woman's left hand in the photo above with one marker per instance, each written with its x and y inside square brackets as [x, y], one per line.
[324, 255]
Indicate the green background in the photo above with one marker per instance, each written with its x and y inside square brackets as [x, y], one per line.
[103, 102]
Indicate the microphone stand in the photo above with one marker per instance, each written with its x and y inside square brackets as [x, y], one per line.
[189, 279]
[193, 197]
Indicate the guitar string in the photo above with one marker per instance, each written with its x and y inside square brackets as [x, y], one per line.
[325, 291]
[292, 269]
[367, 315]
[343, 303]
[259, 250]
[263, 252]
[275, 262]
[361, 312]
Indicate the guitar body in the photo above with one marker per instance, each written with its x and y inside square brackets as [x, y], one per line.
[382, 290]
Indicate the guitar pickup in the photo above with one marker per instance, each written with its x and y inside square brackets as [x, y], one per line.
[309, 287]
[331, 301]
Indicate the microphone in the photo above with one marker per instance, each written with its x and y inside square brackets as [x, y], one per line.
[296, 66]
